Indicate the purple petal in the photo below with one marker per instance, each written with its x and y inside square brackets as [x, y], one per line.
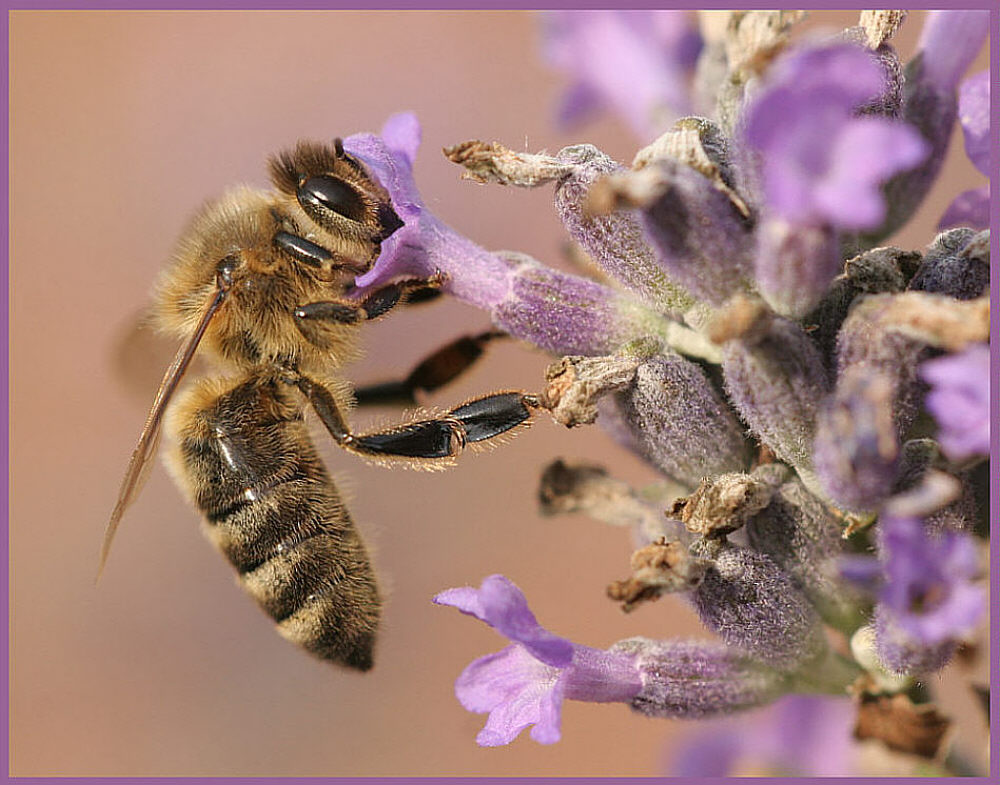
[970, 208]
[502, 605]
[867, 151]
[517, 690]
[950, 42]
[974, 115]
[960, 400]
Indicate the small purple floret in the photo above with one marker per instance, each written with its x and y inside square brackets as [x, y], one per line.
[563, 313]
[928, 601]
[635, 63]
[960, 400]
[820, 163]
[525, 683]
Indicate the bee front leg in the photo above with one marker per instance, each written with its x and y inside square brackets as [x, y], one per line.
[376, 304]
[440, 438]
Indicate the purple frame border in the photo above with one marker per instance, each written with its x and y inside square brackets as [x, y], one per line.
[5, 371]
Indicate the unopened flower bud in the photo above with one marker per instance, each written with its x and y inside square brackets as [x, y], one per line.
[795, 265]
[776, 378]
[679, 421]
[691, 680]
[957, 264]
[856, 450]
[803, 537]
[876, 271]
[615, 240]
[751, 603]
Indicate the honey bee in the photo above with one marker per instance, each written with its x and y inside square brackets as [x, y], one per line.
[260, 281]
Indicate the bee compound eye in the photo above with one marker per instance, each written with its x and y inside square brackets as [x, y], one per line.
[331, 193]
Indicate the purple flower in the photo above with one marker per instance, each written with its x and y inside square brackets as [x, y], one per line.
[949, 43]
[636, 63]
[559, 312]
[800, 735]
[526, 683]
[928, 601]
[820, 163]
[973, 207]
[960, 400]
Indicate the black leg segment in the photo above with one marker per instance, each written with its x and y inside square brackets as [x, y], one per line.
[494, 414]
[426, 439]
[439, 438]
[435, 371]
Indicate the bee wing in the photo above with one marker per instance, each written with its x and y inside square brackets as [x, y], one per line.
[138, 465]
[139, 354]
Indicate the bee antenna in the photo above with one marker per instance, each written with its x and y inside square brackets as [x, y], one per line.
[338, 147]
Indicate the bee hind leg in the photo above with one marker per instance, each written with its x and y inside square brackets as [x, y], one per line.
[443, 437]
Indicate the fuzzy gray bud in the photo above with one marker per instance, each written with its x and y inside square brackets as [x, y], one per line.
[614, 241]
[751, 603]
[803, 537]
[680, 423]
[957, 264]
[776, 378]
[692, 680]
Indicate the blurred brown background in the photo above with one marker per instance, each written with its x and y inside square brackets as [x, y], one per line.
[122, 124]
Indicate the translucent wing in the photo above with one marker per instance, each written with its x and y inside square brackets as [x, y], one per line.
[138, 465]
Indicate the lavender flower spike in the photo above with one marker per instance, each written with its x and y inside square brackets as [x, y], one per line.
[526, 683]
[960, 400]
[559, 312]
[929, 601]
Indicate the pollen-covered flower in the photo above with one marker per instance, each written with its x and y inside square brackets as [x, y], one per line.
[960, 400]
[526, 683]
[635, 63]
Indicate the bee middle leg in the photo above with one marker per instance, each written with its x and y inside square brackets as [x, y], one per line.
[432, 373]
[443, 437]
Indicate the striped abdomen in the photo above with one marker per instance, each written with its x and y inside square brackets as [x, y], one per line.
[272, 509]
